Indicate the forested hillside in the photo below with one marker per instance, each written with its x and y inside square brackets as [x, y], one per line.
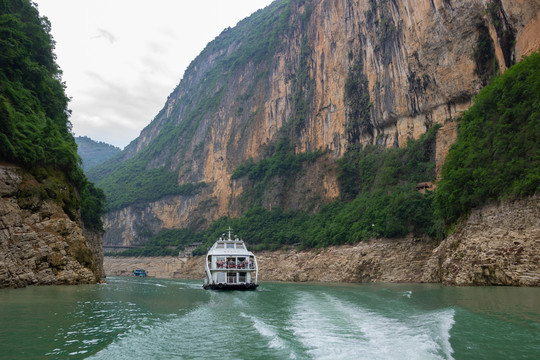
[50, 214]
[93, 152]
[497, 153]
[35, 131]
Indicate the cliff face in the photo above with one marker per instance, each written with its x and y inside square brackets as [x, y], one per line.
[340, 73]
[41, 243]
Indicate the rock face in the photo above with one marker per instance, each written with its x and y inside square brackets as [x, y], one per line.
[382, 260]
[496, 245]
[94, 241]
[160, 267]
[39, 243]
[415, 63]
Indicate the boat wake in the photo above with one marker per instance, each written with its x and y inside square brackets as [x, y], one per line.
[331, 328]
[295, 325]
[267, 331]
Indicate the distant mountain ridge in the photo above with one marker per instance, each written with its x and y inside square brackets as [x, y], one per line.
[94, 152]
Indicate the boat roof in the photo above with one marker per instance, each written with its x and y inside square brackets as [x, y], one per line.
[226, 245]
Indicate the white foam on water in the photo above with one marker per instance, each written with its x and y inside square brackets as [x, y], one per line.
[78, 352]
[331, 328]
[207, 332]
[267, 331]
[189, 285]
[314, 325]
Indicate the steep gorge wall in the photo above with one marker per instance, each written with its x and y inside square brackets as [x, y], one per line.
[414, 61]
[39, 243]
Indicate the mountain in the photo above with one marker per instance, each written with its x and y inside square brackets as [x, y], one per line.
[287, 115]
[93, 152]
[50, 226]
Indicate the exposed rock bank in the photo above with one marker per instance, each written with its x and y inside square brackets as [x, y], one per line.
[378, 260]
[160, 267]
[39, 243]
[497, 245]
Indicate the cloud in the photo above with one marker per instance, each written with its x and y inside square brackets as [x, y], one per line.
[117, 90]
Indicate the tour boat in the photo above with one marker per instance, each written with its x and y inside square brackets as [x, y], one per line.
[230, 266]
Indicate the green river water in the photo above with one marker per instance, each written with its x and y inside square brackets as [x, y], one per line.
[145, 318]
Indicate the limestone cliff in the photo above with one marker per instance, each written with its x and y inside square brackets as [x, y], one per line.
[288, 70]
[41, 239]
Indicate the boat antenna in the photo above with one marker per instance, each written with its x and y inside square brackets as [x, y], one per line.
[229, 230]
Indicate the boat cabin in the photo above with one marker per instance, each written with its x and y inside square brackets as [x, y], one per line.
[229, 265]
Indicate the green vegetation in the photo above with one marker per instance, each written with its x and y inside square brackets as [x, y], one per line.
[165, 243]
[282, 162]
[133, 183]
[34, 118]
[505, 34]
[497, 152]
[92, 205]
[257, 38]
[357, 102]
[135, 180]
[93, 152]
[486, 65]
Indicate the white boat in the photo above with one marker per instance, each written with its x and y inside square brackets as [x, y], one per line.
[230, 266]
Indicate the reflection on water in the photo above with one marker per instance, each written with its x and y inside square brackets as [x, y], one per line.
[176, 319]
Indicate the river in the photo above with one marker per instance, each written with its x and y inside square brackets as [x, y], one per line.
[147, 318]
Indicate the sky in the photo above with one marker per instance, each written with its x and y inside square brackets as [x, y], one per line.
[122, 58]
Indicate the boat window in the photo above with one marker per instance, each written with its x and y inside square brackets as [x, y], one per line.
[220, 245]
[221, 277]
[230, 246]
[242, 277]
[231, 278]
[240, 246]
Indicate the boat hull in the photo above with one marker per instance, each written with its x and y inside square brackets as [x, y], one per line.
[222, 286]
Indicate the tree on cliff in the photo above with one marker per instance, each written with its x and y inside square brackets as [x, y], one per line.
[497, 152]
[35, 131]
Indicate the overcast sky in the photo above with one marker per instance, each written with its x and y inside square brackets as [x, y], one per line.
[122, 58]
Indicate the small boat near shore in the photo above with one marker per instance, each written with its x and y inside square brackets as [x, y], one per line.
[140, 273]
[230, 266]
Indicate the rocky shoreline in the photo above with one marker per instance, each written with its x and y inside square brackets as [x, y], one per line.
[377, 260]
[40, 243]
[496, 245]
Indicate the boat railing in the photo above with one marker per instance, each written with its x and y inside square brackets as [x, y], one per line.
[251, 266]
